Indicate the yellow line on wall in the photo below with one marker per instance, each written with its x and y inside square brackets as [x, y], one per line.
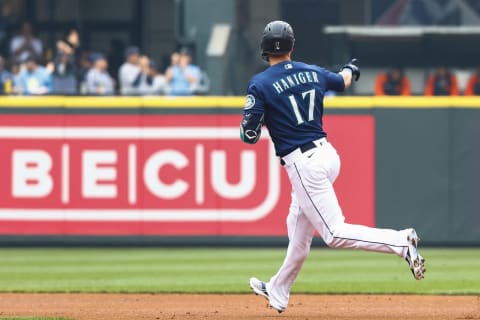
[194, 102]
[234, 102]
[31, 102]
[102, 102]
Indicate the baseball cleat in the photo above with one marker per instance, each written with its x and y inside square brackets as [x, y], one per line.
[260, 289]
[415, 261]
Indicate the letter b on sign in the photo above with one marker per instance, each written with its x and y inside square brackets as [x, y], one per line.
[31, 174]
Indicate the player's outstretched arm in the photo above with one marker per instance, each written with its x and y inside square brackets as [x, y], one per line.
[251, 127]
[350, 70]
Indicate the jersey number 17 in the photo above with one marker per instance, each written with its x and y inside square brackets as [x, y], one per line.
[311, 105]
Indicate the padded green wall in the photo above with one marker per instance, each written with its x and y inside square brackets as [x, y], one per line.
[428, 172]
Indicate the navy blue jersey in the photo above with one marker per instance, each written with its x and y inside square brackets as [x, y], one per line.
[290, 96]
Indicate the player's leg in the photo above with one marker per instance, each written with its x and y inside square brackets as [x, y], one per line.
[300, 234]
[312, 179]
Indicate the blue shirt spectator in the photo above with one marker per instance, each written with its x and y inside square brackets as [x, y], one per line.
[182, 76]
[35, 79]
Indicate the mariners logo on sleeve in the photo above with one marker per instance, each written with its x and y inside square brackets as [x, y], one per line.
[250, 101]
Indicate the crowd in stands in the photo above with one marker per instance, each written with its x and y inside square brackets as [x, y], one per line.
[74, 70]
[442, 82]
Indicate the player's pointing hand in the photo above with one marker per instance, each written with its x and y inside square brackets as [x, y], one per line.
[353, 67]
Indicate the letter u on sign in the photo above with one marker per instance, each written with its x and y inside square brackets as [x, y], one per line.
[247, 175]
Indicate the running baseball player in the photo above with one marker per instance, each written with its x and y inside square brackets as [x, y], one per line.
[288, 98]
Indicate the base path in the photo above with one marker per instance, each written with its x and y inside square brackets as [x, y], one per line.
[229, 306]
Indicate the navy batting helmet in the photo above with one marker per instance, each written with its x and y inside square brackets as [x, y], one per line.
[277, 38]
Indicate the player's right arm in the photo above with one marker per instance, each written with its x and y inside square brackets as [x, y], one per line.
[253, 116]
[251, 127]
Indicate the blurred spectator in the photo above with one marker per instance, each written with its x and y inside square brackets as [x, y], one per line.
[442, 83]
[34, 79]
[98, 80]
[182, 76]
[70, 45]
[25, 44]
[473, 84]
[154, 83]
[143, 80]
[130, 73]
[65, 75]
[392, 83]
[6, 79]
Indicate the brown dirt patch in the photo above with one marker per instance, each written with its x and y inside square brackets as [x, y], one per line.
[203, 306]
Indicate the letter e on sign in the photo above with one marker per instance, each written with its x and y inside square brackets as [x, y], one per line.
[97, 171]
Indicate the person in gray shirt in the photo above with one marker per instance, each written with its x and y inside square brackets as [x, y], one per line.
[98, 80]
[130, 73]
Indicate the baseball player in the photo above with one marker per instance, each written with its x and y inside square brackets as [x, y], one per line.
[288, 98]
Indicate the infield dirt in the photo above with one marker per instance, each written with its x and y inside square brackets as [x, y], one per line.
[229, 306]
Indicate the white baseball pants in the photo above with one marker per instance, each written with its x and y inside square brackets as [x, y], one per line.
[314, 206]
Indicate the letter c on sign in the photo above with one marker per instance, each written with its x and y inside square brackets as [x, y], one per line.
[151, 177]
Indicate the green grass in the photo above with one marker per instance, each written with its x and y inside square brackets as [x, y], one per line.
[449, 271]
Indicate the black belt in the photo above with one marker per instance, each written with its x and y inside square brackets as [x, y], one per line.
[307, 146]
[304, 148]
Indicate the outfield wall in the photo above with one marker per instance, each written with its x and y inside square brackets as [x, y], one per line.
[163, 170]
